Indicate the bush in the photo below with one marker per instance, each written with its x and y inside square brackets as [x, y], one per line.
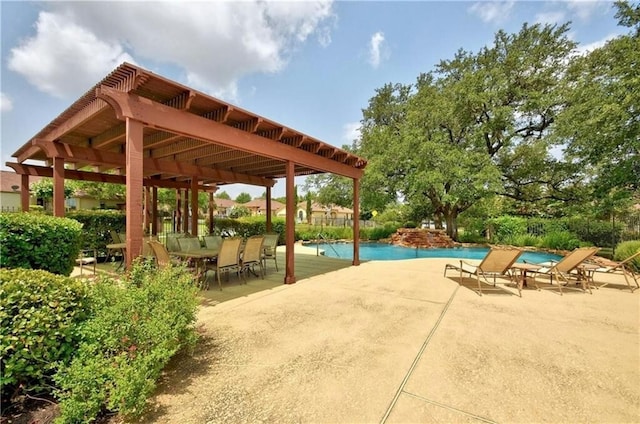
[34, 241]
[505, 227]
[96, 227]
[135, 328]
[249, 226]
[561, 240]
[39, 317]
[378, 233]
[524, 240]
[599, 233]
[626, 249]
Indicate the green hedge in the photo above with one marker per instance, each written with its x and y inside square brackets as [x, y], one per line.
[249, 226]
[35, 241]
[96, 227]
[39, 317]
[136, 326]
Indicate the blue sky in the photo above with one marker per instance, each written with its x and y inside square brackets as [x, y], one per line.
[309, 65]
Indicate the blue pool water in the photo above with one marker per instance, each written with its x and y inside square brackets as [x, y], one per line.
[387, 252]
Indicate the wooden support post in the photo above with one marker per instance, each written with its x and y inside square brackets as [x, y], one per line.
[58, 187]
[146, 216]
[356, 221]
[185, 211]
[154, 214]
[177, 222]
[194, 206]
[24, 192]
[135, 172]
[269, 225]
[290, 277]
[210, 210]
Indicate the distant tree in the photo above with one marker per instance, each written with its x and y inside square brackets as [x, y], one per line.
[223, 195]
[331, 189]
[309, 209]
[43, 189]
[238, 211]
[243, 198]
[475, 126]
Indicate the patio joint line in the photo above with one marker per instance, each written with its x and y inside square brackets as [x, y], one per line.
[418, 356]
[451, 408]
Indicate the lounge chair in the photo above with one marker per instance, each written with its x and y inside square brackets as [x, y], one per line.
[269, 249]
[612, 267]
[497, 263]
[567, 268]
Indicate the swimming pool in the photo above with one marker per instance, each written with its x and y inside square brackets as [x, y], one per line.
[388, 252]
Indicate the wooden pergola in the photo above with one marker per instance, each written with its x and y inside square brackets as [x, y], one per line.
[140, 129]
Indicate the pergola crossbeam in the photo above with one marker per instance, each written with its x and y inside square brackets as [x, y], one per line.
[163, 117]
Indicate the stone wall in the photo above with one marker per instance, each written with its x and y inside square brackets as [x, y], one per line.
[421, 237]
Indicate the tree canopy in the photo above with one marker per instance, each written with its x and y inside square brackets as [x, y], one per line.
[526, 118]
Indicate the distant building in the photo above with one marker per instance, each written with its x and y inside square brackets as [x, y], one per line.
[223, 206]
[10, 187]
[321, 214]
[258, 207]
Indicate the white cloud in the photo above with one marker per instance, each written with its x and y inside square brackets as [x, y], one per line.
[552, 18]
[585, 9]
[5, 103]
[214, 43]
[64, 59]
[492, 11]
[376, 45]
[351, 132]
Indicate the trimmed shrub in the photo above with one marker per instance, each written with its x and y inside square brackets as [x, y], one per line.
[39, 317]
[561, 240]
[626, 249]
[96, 227]
[248, 226]
[136, 326]
[34, 241]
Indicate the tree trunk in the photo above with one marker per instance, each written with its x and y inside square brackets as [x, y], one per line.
[452, 224]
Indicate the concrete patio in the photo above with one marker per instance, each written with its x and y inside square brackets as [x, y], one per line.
[397, 342]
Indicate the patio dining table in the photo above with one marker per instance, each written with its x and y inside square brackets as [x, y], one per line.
[199, 256]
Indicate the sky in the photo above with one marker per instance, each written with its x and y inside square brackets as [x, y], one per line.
[309, 65]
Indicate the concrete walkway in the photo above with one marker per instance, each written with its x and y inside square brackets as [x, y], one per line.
[396, 342]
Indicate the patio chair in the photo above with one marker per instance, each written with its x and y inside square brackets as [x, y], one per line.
[608, 266]
[569, 267]
[496, 263]
[188, 244]
[163, 258]
[212, 242]
[115, 239]
[269, 249]
[252, 255]
[86, 257]
[228, 258]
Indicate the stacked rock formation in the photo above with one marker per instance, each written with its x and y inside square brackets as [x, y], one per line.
[421, 237]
